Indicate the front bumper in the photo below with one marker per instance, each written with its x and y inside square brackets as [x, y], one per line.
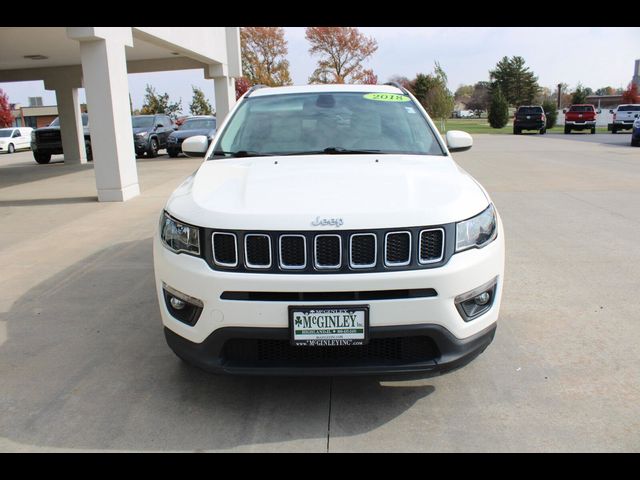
[266, 351]
[435, 317]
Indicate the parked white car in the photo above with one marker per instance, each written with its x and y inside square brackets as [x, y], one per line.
[329, 232]
[15, 138]
[624, 116]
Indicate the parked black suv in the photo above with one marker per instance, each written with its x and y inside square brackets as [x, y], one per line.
[196, 125]
[150, 133]
[529, 117]
[47, 141]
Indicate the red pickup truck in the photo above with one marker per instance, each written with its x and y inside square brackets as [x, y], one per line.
[580, 117]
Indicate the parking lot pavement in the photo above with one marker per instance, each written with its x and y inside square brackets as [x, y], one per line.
[83, 363]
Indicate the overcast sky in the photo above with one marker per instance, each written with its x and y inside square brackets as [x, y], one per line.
[596, 57]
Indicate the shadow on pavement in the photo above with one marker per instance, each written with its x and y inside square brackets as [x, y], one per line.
[85, 365]
[621, 139]
[17, 174]
[31, 202]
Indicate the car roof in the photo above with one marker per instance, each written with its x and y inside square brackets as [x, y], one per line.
[200, 116]
[325, 88]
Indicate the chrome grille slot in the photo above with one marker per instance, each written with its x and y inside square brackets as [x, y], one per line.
[363, 250]
[225, 249]
[328, 251]
[257, 250]
[431, 245]
[293, 252]
[397, 249]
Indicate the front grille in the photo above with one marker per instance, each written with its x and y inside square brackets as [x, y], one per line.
[321, 252]
[328, 251]
[48, 136]
[293, 252]
[431, 245]
[398, 248]
[225, 249]
[257, 251]
[389, 351]
[363, 250]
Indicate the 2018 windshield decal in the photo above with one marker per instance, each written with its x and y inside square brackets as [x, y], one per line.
[386, 97]
[327, 222]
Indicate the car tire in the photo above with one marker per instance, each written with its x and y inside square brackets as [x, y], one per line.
[11, 148]
[567, 130]
[42, 158]
[543, 130]
[87, 147]
[152, 152]
[172, 153]
[593, 131]
[614, 130]
[634, 142]
[516, 131]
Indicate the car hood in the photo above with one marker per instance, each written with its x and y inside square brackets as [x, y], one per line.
[291, 193]
[140, 129]
[190, 133]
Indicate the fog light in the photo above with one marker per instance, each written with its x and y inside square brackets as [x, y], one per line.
[181, 306]
[482, 299]
[177, 303]
[474, 303]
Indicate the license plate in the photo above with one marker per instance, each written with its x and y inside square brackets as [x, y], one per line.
[329, 325]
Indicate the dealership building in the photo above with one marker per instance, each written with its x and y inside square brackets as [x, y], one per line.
[99, 59]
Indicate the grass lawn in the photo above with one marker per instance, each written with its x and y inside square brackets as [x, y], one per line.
[481, 125]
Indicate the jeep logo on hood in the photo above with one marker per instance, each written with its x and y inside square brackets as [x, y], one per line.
[327, 222]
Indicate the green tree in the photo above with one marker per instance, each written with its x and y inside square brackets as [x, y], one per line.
[551, 112]
[480, 98]
[199, 104]
[579, 95]
[154, 103]
[518, 84]
[463, 94]
[432, 92]
[498, 109]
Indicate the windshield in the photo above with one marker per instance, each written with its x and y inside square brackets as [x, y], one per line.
[56, 122]
[5, 133]
[529, 110]
[629, 108]
[142, 122]
[581, 108]
[199, 124]
[344, 122]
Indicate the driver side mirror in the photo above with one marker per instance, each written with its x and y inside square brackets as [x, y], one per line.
[599, 111]
[458, 141]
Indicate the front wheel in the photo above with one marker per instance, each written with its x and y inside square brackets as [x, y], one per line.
[87, 147]
[635, 142]
[11, 148]
[567, 130]
[593, 130]
[543, 130]
[153, 148]
[172, 153]
[516, 131]
[42, 158]
[614, 130]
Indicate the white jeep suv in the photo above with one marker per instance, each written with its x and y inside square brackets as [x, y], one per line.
[329, 232]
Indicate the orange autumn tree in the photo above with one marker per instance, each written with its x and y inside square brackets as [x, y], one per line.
[342, 52]
[264, 51]
[631, 95]
[6, 118]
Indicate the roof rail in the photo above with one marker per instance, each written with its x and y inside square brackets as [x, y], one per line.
[255, 87]
[397, 85]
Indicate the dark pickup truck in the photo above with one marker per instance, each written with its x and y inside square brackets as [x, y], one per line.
[47, 141]
[529, 117]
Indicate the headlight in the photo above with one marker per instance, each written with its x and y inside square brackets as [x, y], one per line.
[636, 122]
[179, 237]
[477, 231]
[142, 134]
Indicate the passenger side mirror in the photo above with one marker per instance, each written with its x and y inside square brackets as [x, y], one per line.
[599, 111]
[458, 141]
[564, 110]
[195, 146]
[610, 111]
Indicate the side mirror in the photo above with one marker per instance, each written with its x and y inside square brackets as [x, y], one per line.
[610, 111]
[175, 127]
[599, 111]
[458, 141]
[195, 146]
[564, 110]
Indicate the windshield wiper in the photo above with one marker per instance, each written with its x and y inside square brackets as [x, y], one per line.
[332, 151]
[241, 153]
